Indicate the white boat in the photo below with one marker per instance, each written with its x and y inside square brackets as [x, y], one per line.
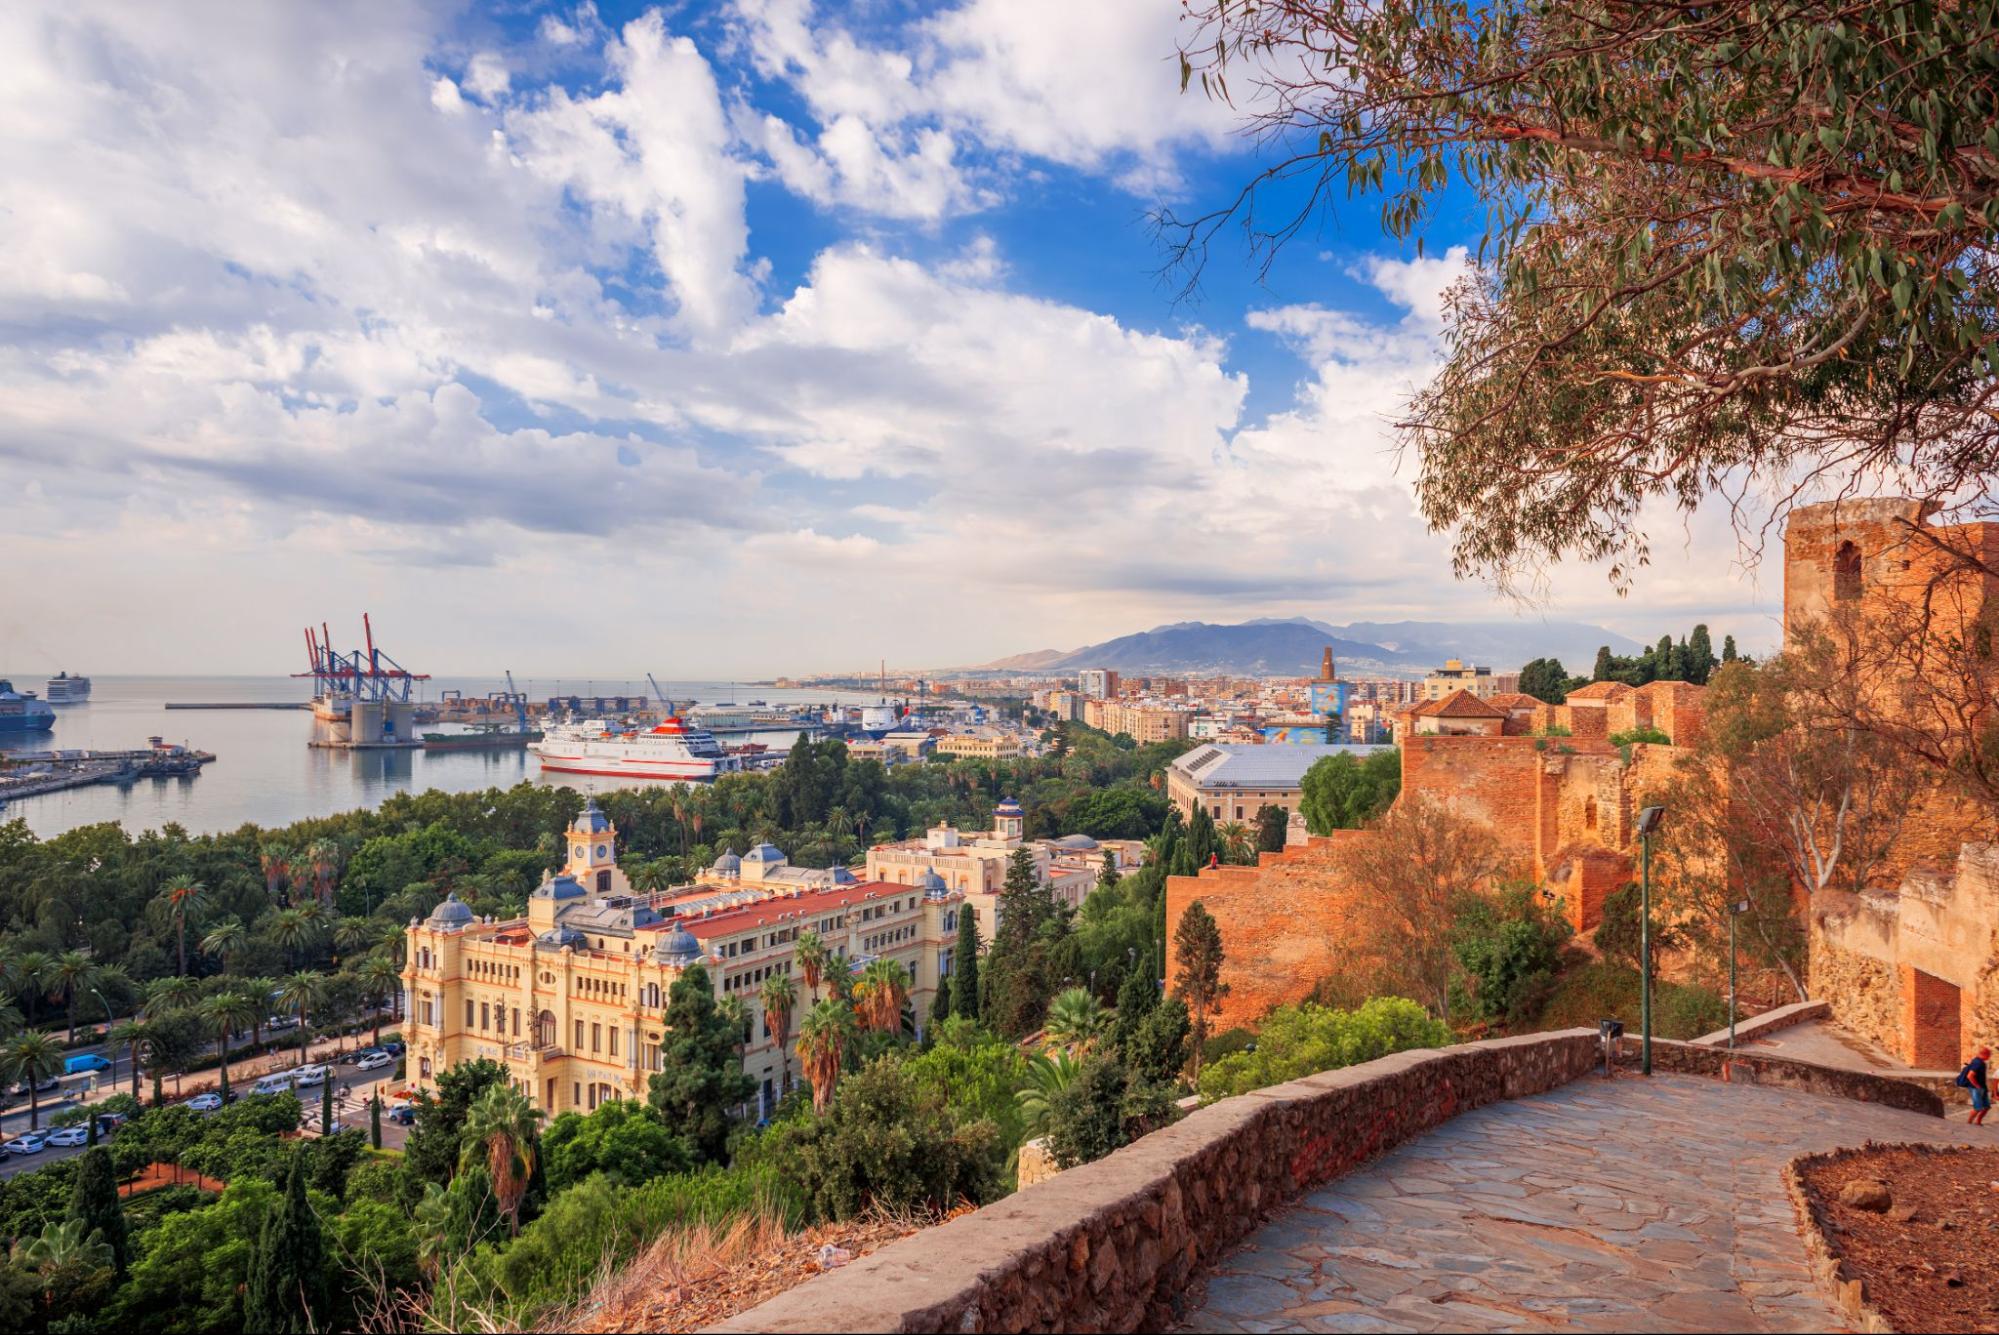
[64, 689]
[671, 752]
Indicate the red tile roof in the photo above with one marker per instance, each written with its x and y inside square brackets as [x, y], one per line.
[1601, 690]
[784, 908]
[1511, 700]
[1463, 704]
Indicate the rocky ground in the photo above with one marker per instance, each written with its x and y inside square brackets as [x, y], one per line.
[1920, 1228]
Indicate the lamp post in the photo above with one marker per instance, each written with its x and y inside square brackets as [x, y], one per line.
[1648, 822]
[110, 1021]
[1735, 910]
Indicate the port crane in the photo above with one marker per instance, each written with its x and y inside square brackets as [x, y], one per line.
[364, 675]
[518, 700]
[664, 703]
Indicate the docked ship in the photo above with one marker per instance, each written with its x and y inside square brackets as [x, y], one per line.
[64, 689]
[670, 752]
[21, 711]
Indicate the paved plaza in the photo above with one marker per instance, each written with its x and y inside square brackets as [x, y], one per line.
[1602, 1206]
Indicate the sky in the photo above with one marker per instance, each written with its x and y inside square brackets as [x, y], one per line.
[720, 339]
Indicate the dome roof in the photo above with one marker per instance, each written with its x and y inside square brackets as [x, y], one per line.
[728, 861]
[559, 936]
[1007, 807]
[453, 912]
[842, 876]
[677, 947]
[1076, 841]
[591, 820]
[764, 853]
[933, 884]
[563, 886]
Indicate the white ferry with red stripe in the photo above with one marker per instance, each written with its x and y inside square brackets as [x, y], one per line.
[669, 752]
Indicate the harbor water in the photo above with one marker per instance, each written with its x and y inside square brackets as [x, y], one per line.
[265, 773]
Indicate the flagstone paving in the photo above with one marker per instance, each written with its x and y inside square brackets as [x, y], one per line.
[1614, 1205]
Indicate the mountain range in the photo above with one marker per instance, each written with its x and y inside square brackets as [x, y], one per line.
[1291, 646]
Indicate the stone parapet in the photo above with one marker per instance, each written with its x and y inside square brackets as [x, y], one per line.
[1111, 1245]
[1769, 1022]
[1755, 1068]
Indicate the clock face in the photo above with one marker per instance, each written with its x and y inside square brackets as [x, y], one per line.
[600, 850]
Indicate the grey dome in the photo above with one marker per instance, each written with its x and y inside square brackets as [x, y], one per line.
[842, 876]
[559, 936]
[591, 820]
[765, 853]
[1076, 841]
[677, 947]
[728, 862]
[452, 913]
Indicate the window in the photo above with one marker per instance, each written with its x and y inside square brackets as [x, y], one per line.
[485, 1016]
[614, 1040]
[596, 1038]
[579, 1035]
[603, 882]
[468, 1012]
[1846, 573]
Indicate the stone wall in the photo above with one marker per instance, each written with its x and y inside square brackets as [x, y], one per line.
[1769, 1022]
[1112, 1244]
[1757, 1068]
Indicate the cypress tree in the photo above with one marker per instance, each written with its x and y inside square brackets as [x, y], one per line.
[1136, 998]
[1728, 654]
[90, 1135]
[375, 1120]
[1700, 656]
[326, 1106]
[965, 966]
[1606, 666]
[94, 1201]
[288, 1291]
[1107, 875]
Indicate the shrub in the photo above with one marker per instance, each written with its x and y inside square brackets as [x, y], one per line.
[1647, 735]
[1301, 1040]
[1227, 1043]
[1106, 1107]
[1509, 945]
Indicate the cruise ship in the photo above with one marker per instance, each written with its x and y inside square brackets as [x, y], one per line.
[64, 689]
[22, 712]
[671, 752]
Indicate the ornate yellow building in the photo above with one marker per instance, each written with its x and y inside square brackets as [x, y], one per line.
[572, 997]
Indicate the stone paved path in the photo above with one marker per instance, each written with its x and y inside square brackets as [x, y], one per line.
[1603, 1206]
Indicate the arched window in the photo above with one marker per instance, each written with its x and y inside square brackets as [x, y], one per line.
[544, 1030]
[1846, 573]
[1589, 814]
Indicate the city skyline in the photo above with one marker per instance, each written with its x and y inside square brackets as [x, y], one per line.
[767, 340]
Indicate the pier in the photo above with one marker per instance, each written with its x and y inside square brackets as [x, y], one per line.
[238, 704]
[37, 772]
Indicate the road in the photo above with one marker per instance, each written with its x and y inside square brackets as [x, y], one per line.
[351, 1110]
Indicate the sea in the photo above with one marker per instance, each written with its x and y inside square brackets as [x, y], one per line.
[265, 773]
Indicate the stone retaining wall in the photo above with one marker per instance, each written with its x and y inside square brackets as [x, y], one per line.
[1111, 1245]
[1785, 1072]
[1769, 1022]
[1844, 1290]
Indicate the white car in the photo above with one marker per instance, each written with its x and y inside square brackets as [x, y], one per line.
[205, 1102]
[309, 1075]
[52, 1083]
[69, 1136]
[373, 1061]
[31, 1142]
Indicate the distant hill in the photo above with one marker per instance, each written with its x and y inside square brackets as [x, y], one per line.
[1290, 647]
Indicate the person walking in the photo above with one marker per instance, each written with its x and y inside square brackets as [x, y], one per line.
[1974, 1078]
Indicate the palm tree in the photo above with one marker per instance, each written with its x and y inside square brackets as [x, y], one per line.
[814, 960]
[1048, 1074]
[323, 855]
[166, 995]
[735, 1012]
[31, 1058]
[10, 1017]
[224, 940]
[822, 1045]
[132, 1035]
[501, 1125]
[1076, 1019]
[1238, 845]
[879, 994]
[226, 1012]
[70, 973]
[275, 860]
[302, 992]
[381, 978]
[183, 895]
[292, 930]
[352, 933]
[779, 997]
[31, 971]
[262, 991]
[61, 1247]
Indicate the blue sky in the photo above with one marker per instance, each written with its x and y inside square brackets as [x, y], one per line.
[739, 338]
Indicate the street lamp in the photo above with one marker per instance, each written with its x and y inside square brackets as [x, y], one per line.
[1735, 910]
[1648, 823]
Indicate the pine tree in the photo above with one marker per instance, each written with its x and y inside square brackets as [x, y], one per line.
[289, 1290]
[1135, 1000]
[1606, 665]
[965, 965]
[1273, 828]
[1016, 968]
[701, 1080]
[1728, 654]
[94, 1201]
[1107, 875]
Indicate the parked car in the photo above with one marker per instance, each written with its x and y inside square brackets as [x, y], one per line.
[403, 1113]
[278, 1083]
[28, 1142]
[277, 1022]
[54, 1082]
[70, 1136]
[394, 1047]
[205, 1102]
[82, 1062]
[305, 1076]
[374, 1061]
[108, 1123]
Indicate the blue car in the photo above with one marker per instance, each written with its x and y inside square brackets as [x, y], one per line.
[88, 1061]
